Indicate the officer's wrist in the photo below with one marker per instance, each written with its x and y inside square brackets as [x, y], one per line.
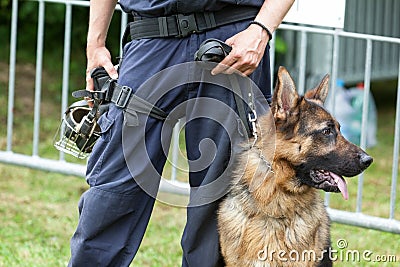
[263, 27]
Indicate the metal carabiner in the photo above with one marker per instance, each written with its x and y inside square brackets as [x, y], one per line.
[252, 119]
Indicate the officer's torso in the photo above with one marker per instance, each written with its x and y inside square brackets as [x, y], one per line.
[170, 7]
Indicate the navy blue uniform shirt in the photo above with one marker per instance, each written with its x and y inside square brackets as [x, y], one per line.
[168, 7]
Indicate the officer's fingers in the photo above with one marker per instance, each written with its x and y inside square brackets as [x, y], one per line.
[109, 67]
[225, 64]
[230, 41]
[89, 101]
[89, 81]
[89, 86]
[247, 71]
[246, 63]
[238, 69]
[218, 69]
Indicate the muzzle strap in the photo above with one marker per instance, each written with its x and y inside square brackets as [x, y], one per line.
[123, 97]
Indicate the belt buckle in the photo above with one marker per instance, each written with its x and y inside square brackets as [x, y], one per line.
[123, 97]
[186, 25]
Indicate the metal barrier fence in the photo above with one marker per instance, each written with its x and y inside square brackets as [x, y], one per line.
[62, 166]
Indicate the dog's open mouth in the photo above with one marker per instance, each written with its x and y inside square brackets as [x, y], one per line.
[329, 182]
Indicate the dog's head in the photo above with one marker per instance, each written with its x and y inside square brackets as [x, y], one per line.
[309, 138]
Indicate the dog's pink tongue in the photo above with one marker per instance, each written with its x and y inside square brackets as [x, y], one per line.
[341, 184]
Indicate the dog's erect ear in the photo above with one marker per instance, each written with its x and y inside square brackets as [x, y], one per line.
[321, 92]
[285, 94]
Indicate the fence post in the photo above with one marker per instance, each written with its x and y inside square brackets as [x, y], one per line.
[38, 78]
[395, 165]
[11, 74]
[66, 59]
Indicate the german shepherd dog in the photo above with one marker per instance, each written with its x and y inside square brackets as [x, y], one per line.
[274, 214]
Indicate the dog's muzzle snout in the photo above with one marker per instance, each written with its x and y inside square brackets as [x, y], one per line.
[365, 160]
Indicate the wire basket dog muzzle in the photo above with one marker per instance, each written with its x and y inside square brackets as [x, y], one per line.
[78, 132]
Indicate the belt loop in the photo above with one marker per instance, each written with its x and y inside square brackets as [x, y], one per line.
[210, 20]
[163, 26]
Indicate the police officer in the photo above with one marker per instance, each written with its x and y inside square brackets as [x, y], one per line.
[115, 211]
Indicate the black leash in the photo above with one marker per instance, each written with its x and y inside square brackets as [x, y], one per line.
[214, 50]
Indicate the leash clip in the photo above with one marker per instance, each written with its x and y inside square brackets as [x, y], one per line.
[252, 119]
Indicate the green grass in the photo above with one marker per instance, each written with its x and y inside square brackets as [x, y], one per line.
[38, 209]
[39, 215]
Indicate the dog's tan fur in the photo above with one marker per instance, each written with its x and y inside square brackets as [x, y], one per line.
[267, 210]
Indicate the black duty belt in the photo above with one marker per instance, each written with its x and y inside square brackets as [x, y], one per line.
[182, 25]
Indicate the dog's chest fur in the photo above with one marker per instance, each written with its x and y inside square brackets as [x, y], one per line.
[256, 224]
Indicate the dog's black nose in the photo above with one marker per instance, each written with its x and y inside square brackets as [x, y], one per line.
[365, 160]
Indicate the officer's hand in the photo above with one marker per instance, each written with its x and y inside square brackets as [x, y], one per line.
[98, 57]
[248, 48]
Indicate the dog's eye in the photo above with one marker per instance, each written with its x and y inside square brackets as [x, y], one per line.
[327, 131]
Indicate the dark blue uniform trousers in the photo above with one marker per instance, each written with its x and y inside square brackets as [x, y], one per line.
[124, 168]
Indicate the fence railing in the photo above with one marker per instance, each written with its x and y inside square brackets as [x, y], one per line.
[61, 165]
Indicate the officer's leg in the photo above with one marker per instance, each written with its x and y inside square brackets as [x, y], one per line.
[124, 168]
[115, 211]
[211, 134]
